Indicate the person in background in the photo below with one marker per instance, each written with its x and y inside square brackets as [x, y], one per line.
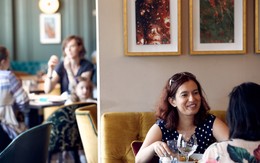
[243, 118]
[13, 99]
[73, 65]
[94, 77]
[82, 92]
[182, 109]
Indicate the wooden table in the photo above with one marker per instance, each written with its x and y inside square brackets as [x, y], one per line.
[38, 102]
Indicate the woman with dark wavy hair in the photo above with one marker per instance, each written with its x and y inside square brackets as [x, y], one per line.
[243, 118]
[182, 109]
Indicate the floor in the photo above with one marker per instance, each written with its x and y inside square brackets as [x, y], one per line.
[68, 158]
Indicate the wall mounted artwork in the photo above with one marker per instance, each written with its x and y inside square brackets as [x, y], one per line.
[257, 26]
[217, 27]
[152, 27]
[50, 28]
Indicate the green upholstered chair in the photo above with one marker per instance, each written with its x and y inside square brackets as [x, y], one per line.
[28, 147]
[65, 134]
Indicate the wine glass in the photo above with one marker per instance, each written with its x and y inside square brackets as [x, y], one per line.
[187, 148]
[172, 144]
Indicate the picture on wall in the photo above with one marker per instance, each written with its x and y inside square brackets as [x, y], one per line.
[257, 26]
[50, 28]
[152, 27]
[217, 27]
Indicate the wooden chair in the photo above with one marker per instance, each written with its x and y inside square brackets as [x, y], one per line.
[29, 146]
[65, 134]
[87, 123]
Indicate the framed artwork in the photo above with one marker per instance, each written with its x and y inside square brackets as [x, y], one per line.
[217, 27]
[152, 28]
[50, 28]
[257, 26]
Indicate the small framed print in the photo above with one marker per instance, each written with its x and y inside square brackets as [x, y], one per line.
[217, 27]
[152, 27]
[257, 26]
[50, 28]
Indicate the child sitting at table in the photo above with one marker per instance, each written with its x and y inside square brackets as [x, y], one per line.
[82, 92]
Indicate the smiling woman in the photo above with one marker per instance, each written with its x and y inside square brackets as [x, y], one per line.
[182, 109]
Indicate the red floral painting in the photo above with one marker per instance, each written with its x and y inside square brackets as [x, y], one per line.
[217, 21]
[152, 22]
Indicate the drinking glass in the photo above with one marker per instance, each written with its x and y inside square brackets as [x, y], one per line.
[167, 160]
[187, 148]
[172, 144]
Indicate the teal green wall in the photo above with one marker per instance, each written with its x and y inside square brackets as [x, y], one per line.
[20, 31]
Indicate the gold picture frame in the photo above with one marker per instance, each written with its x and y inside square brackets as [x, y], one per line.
[133, 46]
[207, 38]
[50, 28]
[257, 26]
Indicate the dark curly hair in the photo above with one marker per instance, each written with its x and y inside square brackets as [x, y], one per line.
[164, 110]
[3, 53]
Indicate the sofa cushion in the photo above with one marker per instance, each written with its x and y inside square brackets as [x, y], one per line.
[136, 145]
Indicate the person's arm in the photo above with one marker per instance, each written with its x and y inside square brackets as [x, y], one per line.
[211, 154]
[220, 130]
[152, 145]
[52, 77]
[50, 81]
[21, 99]
[70, 74]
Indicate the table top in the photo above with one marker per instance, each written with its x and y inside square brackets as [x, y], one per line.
[44, 100]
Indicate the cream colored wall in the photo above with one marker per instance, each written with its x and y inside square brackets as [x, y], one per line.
[134, 83]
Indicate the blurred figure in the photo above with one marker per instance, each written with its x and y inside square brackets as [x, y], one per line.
[243, 118]
[182, 109]
[94, 76]
[73, 65]
[82, 92]
[13, 99]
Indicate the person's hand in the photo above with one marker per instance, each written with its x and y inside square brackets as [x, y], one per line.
[67, 64]
[53, 61]
[161, 149]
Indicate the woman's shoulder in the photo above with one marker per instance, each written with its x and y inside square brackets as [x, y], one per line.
[209, 119]
[161, 123]
[86, 63]
[227, 150]
[7, 74]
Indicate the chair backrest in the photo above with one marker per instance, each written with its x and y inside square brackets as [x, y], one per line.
[87, 123]
[30, 146]
[119, 130]
[221, 114]
[65, 134]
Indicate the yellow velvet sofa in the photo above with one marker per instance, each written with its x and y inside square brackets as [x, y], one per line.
[120, 129]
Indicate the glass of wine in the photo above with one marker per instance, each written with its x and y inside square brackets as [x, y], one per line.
[172, 144]
[187, 148]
